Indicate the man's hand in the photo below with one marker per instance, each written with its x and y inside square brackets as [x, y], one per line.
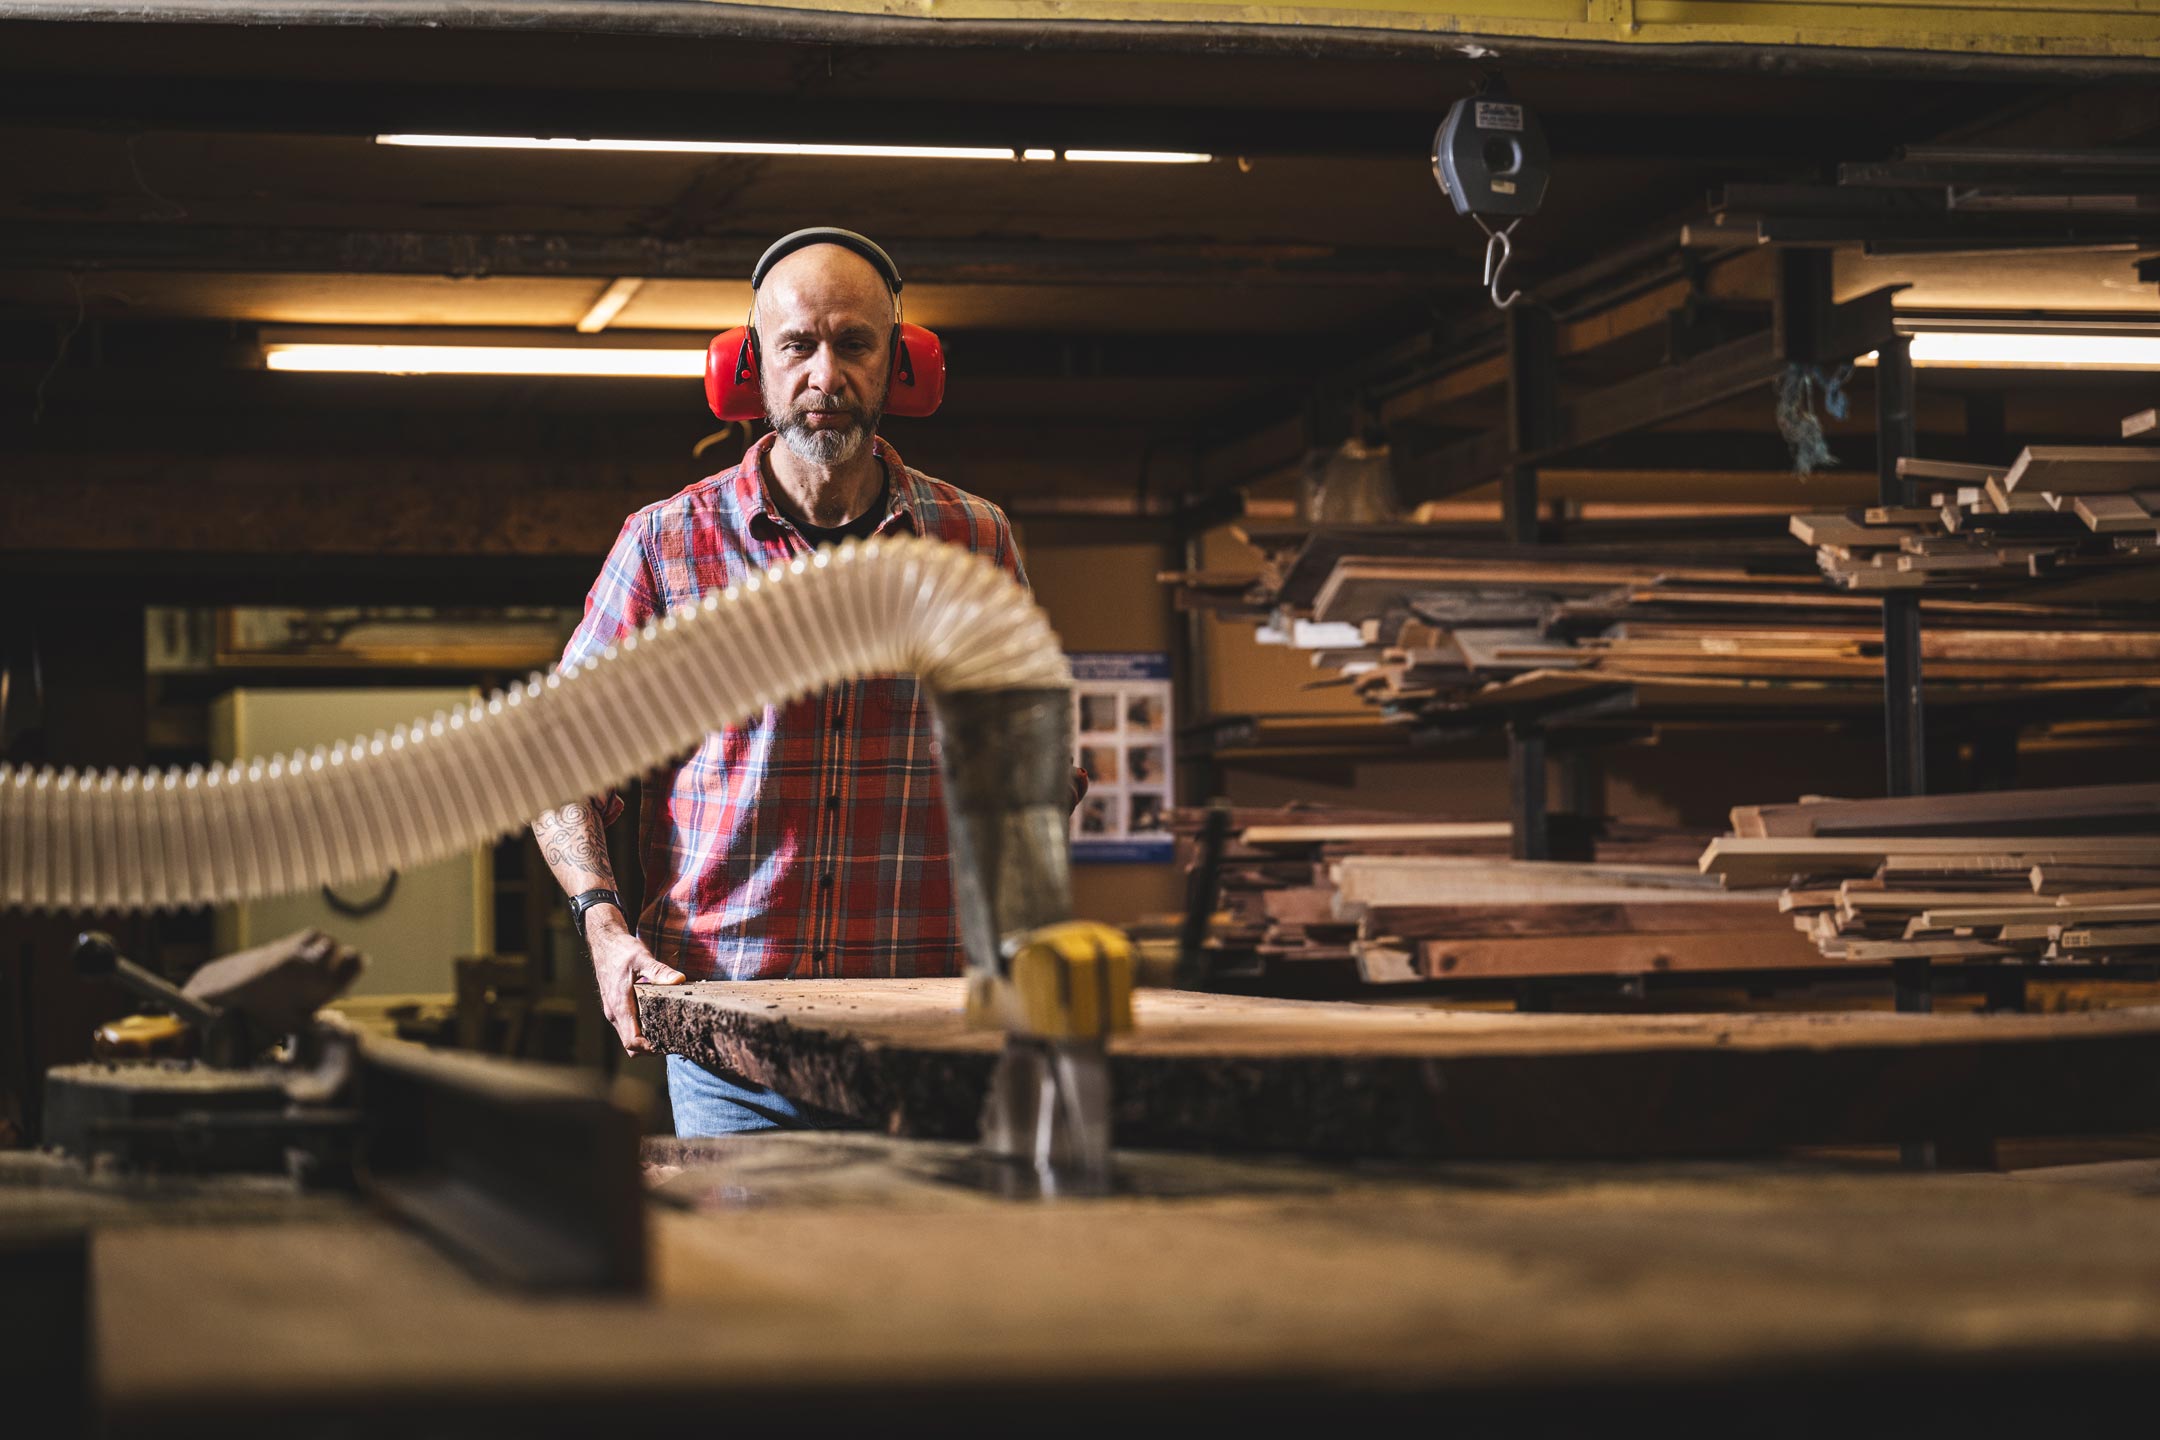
[621, 963]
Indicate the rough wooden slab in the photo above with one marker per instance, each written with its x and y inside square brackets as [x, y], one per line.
[1241, 1072]
[811, 1283]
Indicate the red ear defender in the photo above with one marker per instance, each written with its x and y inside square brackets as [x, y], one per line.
[918, 373]
[731, 374]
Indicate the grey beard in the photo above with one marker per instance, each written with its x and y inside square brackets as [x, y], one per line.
[824, 447]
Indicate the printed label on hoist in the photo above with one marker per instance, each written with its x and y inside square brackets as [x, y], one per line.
[1494, 115]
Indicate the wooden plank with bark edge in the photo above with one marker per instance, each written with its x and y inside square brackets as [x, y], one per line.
[1863, 952]
[1241, 1072]
[1559, 957]
[2101, 937]
[1447, 922]
[2084, 469]
[1979, 917]
[1290, 835]
[2108, 514]
[1742, 861]
[1417, 880]
[2143, 895]
[2069, 879]
[1995, 810]
[1949, 472]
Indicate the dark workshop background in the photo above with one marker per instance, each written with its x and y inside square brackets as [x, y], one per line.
[1142, 355]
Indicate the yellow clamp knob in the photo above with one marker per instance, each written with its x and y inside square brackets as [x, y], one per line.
[1069, 981]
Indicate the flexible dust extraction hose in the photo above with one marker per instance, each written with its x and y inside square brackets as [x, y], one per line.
[164, 839]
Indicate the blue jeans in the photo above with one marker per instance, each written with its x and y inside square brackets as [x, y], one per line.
[717, 1102]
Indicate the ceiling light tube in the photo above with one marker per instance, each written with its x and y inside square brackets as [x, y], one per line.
[2031, 350]
[703, 147]
[777, 147]
[1140, 157]
[610, 304]
[320, 357]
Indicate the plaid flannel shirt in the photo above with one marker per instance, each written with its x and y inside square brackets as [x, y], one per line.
[809, 841]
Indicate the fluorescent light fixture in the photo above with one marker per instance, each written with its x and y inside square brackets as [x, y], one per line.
[2031, 350]
[2036, 351]
[483, 360]
[1140, 157]
[775, 147]
[609, 305]
[698, 147]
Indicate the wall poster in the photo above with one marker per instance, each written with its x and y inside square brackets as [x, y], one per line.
[1122, 724]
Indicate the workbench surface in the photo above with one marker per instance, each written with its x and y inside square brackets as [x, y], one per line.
[837, 1280]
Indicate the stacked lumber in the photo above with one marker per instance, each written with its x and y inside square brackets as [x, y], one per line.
[2039, 876]
[1332, 893]
[2057, 512]
[1274, 898]
[1441, 632]
[1449, 919]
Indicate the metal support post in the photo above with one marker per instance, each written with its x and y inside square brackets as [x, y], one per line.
[1904, 727]
[1905, 732]
[1533, 351]
[1199, 772]
[1526, 789]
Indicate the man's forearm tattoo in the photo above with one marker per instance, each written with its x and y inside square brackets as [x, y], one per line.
[569, 837]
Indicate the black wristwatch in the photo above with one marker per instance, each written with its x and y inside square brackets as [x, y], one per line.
[584, 900]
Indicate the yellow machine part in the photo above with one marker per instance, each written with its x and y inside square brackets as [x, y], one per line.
[1072, 981]
[2053, 28]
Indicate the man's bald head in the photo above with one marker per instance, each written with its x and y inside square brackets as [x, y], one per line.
[824, 278]
[824, 318]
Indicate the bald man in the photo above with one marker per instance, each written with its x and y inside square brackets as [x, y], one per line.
[810, 841]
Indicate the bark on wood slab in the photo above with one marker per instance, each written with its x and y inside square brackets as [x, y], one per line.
[1217, 1072]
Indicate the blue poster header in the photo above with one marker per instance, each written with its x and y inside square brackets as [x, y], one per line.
[1099, 665]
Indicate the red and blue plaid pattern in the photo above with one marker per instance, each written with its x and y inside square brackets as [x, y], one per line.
[809, 842]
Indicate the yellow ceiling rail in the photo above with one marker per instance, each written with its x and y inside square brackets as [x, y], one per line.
[2032, 28]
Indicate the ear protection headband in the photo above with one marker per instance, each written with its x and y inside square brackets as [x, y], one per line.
[918, 358]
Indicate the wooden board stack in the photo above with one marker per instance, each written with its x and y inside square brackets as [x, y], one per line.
[1438, 919]
[1321, 894]
[2062, 876]
[1274, 896]
[1431, 628]
[2056, 513]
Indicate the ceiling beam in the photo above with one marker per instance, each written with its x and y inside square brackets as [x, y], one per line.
[466, 254]
[778, 25]
[199, 105]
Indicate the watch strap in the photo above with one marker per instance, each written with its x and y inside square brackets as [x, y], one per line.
[584, 900]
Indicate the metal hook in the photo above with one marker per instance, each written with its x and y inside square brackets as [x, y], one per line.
[1499, 249]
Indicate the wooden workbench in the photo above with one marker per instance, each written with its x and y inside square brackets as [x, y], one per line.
[830, 1282]
[1223, 1072]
